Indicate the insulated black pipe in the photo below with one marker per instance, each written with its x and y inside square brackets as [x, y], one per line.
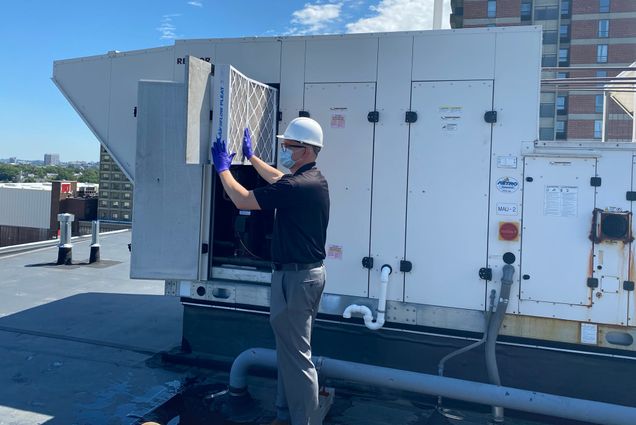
[493, 332]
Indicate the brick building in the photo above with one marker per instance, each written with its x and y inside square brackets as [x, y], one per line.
[598, 35]
[115, 191]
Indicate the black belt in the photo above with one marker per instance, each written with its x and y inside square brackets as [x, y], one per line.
[295, 266]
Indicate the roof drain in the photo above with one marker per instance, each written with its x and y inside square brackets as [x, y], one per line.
[473, 392]
[385, 271]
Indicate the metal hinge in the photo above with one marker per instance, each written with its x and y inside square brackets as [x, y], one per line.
[135, 112]
[592, 282]
[303, 114]
[367, 262]
[279, 116]
[595, 181]
[630, 196]
[373, 116]
[410, 117]
[205, 248]
[628, 285]
[485, 273]
[490, 117]
[211, 114]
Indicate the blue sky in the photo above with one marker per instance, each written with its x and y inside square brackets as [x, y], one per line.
[36, 119]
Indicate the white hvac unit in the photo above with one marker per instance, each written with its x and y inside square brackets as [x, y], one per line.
[433, 165]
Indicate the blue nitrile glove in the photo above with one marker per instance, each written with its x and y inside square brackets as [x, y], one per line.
[222, 160]
[247, 144]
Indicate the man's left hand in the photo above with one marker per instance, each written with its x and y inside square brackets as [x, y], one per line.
[222, 160]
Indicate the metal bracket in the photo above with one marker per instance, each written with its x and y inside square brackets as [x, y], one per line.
[406, 266]
[490, 117]
[367, 262]
[485, 273]
[410, 117]
[595, 181]
[303, 114]
[373, 116]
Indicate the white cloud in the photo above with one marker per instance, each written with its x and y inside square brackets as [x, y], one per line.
[400, 15]
[314, 17]
[195, 3]
[166, 27]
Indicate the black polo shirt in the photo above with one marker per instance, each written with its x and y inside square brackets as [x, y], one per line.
[301, 201]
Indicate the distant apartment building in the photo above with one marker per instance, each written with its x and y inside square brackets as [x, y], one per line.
[115, 191]
[51, 159]
[594, 34]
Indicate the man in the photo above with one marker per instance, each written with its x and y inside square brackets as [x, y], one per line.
[301, 201]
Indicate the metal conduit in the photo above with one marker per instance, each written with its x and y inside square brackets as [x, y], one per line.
[474, 392]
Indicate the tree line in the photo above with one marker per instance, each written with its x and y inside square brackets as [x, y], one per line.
[26, 173]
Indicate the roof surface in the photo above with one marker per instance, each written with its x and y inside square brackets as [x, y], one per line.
[79, 346]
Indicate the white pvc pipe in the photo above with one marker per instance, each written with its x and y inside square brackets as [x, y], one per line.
[365, 311]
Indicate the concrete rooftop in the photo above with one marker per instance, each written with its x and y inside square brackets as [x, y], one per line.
[78, 346]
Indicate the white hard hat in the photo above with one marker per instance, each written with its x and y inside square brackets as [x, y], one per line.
[304, 130]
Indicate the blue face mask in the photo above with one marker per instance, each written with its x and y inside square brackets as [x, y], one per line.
[286, 158]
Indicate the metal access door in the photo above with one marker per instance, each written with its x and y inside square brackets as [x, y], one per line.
[166, 240]
[448, 188]
[556, 250]
[346, 161]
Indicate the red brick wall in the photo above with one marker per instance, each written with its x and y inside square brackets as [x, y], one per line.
[583, 54]
[618, 28]
[616, 129]
[581, 104]
[623, 27]
[616, 53]
[508, 8]
[475, 9]
[580, 129]
[479, 9]
[591, 6]
[622, 53]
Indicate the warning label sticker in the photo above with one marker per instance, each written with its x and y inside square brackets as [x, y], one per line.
[561, 201]
[334, 252]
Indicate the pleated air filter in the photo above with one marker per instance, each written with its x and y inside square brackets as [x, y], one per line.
[241, 102]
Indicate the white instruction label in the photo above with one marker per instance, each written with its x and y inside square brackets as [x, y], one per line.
[507, 209]
[589, 333]
[506, 162]
[338, 121]
[450, 117]
[334, 252]
[561, 201]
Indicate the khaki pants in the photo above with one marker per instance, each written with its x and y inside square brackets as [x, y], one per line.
[294, 304]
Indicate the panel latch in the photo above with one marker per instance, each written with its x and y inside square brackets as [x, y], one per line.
[367, 262]
[406, 266]
[410, 117]
[485, 273]
[490, 117]
[373, 116]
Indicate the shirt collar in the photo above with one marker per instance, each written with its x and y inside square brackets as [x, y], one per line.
[305, 168]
